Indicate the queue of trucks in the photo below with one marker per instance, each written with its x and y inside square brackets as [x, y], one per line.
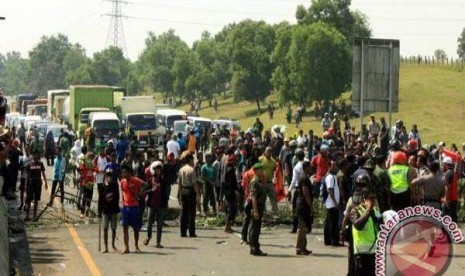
[107, 110]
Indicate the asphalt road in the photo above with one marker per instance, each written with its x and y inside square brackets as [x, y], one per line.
[59, 248]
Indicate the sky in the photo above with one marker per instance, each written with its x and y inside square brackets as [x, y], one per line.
[422, 26]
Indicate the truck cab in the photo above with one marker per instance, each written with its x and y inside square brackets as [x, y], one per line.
[84, 115]
[104, 124]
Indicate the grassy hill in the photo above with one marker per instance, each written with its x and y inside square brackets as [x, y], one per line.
[431, 97]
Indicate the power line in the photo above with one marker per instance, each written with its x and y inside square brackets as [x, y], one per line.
[115, 35]
[174, 21]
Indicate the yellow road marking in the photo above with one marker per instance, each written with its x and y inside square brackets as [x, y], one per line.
[84, 253]
[94, 271]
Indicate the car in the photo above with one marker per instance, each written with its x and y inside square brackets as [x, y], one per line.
[56, 130]
[179, 126]
[226, 123]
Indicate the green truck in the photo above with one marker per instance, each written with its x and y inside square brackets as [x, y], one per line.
[84, 99]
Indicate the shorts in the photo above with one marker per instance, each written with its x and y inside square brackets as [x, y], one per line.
[110, 220]
[33, 190]
[131, 217]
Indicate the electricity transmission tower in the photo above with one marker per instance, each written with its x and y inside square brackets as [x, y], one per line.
[115, 35]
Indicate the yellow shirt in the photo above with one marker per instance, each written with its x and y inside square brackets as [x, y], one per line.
[269, 166]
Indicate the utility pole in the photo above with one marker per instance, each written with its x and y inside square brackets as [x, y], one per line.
[115, 35]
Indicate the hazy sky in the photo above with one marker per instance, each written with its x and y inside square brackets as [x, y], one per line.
[421, 25]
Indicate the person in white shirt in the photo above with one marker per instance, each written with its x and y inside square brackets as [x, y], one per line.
[173, 146]
[101, 162]
[331, 227]
[79, 160]
[301, 140]
[297, 173]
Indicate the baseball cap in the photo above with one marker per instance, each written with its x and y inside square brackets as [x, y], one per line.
[293, 143]
[258, 166]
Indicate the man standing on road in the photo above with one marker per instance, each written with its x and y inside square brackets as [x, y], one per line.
[35, 171]
[100, 163]
[400, 180]
[365, 220]
[304, 209]
[269, 167]
[451, 183]
[58, 175]
[320, 164]
[297, 173]
[157, 201]
[173, 146]
[188, 194]
[110, 208]
[131, 187]
[331, 228]
[258, 198]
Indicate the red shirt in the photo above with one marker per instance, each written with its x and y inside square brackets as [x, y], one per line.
[321, 164]
[453, 193]
[130, 191]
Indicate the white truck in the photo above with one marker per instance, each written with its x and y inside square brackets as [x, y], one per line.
[137, 115]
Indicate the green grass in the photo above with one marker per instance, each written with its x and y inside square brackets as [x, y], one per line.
[431, 97]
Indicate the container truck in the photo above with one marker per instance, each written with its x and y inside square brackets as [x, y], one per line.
[138, 117]
[84, 99]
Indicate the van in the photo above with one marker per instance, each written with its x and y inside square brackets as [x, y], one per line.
[195, 121]
[166, 118]
[104, 124]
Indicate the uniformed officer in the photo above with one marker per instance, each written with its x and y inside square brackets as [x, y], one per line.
[258, 196]
[365, 220]
[188, 195]
[400, 179]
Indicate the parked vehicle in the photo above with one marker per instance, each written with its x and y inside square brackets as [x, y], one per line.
[56, 131]
[166, 118]
[137, 115]
[225, 123]
[37, 109]
[199, 121]
[26, 103]
[180, 127]
[84, 99]
[52, 110]
[23, 97]
[104, 124]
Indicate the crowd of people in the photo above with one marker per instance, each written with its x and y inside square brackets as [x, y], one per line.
[354, 176]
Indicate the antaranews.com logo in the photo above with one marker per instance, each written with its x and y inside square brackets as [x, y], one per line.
[416, 241]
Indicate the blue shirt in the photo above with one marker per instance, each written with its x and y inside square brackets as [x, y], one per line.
[59, 168]
[121, 148]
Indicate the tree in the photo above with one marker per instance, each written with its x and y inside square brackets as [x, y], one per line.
[158, 60]
[47, 63]
[280, 60]
[77, 66]
[110, 67]
[211, 67]
[440, 54]
[251, 47]
[461, 46]
[361, 28]
[336, 13]
[14, 73]
[181, 71]
[320, 62]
